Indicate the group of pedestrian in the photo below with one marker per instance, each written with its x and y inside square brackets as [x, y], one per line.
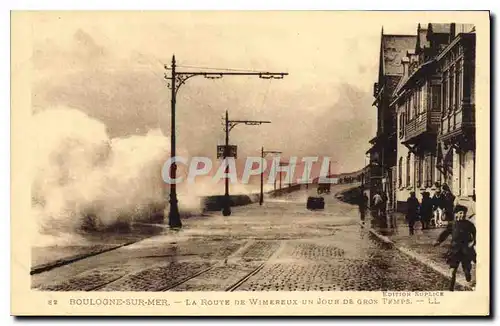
[435, 211]
[431, 212]
[463, 232]
[377, 207]
[379, 204]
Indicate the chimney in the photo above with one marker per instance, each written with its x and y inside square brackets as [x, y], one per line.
[405, 61]
[452, 31]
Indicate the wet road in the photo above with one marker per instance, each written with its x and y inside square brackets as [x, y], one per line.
[279, 246]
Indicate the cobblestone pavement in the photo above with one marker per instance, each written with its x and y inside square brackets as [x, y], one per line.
[279, 246]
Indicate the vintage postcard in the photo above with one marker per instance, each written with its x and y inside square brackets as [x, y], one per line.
[250, 163]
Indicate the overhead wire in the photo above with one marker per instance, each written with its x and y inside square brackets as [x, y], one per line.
[220, 69]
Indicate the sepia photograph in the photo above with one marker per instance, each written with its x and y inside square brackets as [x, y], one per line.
[191, 154]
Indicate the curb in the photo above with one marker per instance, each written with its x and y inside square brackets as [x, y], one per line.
[65, 261]
[417, 257]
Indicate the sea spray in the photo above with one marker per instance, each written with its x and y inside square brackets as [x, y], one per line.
[82, 174]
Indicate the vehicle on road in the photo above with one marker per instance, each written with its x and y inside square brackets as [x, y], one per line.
[314, 203]
[323, 188]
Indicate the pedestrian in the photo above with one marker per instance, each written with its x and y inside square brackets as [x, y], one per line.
[362, 204]
[438, 207]
[463, 241]
[412, 207]
[384, 204]
[426, 210]
[448, 202]
[377, 204]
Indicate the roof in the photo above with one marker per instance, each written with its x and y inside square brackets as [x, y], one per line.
[406, 79]
[392, 83]
[452, 44]
[439, 28]
[464, 28]
[372, 149]
[422, 38]
[394, 48]
[401, 83]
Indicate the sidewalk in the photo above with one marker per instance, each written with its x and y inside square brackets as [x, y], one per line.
[420, 246]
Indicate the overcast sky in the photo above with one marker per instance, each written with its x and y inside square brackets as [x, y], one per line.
[111, 67]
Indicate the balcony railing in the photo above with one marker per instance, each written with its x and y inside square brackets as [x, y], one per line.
[425, 121]
[457, 121]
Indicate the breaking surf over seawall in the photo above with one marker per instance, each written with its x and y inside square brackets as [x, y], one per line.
[85, 179]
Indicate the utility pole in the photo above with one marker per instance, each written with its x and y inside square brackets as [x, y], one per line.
[174, 218]
[176, 80]
[229, 125]
[307, 174]
[262, 154]
[282, 164]
[226, 210]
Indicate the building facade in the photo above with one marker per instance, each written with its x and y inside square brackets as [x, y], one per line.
[383, 152]
[457, 146]
[434, 105]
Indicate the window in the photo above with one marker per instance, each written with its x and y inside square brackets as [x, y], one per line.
[469, 167]
[450, 91]
[436, 97]
[419, 170]
[407, 108]
[415, 101]
[429, 170]
[408, 170]
[445, 95]
[460, 172]
[457, 89]
[402, 124]
[400, 172]
[422, 97]
[421, 102]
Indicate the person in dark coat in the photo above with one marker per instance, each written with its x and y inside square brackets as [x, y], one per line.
[383, 208]
[426, 210]
[437, 199]
[448, 202]
[412, 205]
[463, 241]
[362, 204]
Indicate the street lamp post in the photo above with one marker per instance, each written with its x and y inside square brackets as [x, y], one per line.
[262, 154]
[229, 125]
[176, 80]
